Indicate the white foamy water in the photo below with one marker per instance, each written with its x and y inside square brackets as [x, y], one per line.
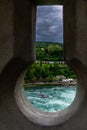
[51, 99]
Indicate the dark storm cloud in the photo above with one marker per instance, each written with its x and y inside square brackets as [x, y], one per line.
[49, 25]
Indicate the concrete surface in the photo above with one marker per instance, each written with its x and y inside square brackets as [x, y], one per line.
[17, 53]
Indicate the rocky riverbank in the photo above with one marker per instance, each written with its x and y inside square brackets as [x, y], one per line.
[51, 83]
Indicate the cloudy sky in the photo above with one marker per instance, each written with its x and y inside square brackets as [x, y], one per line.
[49, 25]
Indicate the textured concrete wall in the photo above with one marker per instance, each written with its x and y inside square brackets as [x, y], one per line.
[17, 53]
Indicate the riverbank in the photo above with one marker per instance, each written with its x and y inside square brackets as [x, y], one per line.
[50, 83]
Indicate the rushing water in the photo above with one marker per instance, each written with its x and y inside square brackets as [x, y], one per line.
[51, 99]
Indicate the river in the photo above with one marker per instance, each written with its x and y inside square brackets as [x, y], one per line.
[51, 98]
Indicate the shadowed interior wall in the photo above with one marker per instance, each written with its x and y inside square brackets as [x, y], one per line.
[17, 53]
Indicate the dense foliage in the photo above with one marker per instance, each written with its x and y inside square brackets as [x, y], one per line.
[47, 72]
[49, 51]
[40, 72]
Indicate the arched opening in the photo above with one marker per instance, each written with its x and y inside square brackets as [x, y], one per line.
[50, 84]
[46, 118]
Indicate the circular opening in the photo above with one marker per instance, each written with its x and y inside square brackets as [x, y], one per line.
[46, 89]
[46, 118]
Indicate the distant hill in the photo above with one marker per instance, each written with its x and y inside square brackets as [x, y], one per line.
[42, 44]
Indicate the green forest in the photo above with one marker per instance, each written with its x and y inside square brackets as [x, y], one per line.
[47, 72]
[49, 51]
